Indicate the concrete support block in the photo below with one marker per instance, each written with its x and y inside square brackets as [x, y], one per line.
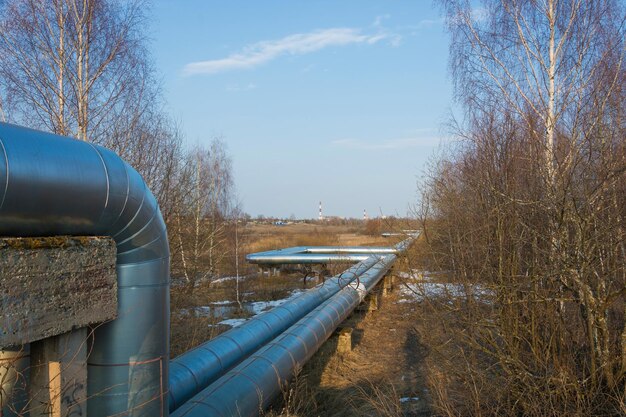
[370, 304]
[49, 286]
[388, 284]
[374, 302]
[58, 376]
[344, 341]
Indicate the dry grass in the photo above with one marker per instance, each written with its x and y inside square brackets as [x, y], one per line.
[270, 237]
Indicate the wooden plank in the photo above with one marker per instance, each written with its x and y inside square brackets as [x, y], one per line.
[58, 376]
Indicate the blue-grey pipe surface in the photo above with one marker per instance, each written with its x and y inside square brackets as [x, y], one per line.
[196, 369]
[252, 385]
[52, 185]
[14, 376]
[317, 255]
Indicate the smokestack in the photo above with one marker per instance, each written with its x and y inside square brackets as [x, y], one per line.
[320, 217]
[364, 214]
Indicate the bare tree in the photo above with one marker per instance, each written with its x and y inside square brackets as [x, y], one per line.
[529, 209]
[65, 65]
[239, 238]
[202, 217]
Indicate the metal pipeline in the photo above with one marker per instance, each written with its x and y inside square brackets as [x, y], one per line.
[14, 363]
[253, 384]
[317, 255]
[52, 185]
[196, 369]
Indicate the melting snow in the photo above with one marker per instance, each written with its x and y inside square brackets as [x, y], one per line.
[233, 322]
[259, 307]
[419, 285]
[255, 308]
[407, 399]
[224, 279]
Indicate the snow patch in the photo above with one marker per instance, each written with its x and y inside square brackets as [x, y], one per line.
[408, 399]
[420, 285]
[220, 303]
[225, 279]
[259, 307]
[233, 322]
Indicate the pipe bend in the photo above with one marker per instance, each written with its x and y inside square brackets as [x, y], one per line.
[52, 185]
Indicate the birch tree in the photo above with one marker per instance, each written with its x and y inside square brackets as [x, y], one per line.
[202, 218]
[538, 59]
[531, 206]
[65, 65]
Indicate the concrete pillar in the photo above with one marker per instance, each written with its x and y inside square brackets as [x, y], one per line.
[370, 303]
[387, 285]
[344, 341]
[374, 302]
[58, 375]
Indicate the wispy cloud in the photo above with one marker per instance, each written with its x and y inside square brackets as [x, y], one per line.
[387, 144]
[378, 22]
[239, 87]
[297, 44]
[426, 23]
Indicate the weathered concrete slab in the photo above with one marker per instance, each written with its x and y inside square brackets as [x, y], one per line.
[49, 286]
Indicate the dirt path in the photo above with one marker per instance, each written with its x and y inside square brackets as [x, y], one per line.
[382, 375]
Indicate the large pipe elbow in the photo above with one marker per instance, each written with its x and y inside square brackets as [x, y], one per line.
[52, 185]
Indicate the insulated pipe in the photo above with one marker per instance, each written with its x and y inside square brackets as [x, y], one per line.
[372, 250]
[307, 258]
[196, 369]
[252, 385]
[14, 364]
[317, 254]
[53, 185]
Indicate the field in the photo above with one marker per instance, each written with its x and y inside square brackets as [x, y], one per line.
[267, 237]
[383, 375]
[210, 308]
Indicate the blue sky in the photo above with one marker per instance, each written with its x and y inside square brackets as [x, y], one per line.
[340, 101]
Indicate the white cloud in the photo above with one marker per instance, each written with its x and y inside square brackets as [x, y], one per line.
[297, 44]
[426, 23]
[379, 19]
[387, 144]
[239, 87]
